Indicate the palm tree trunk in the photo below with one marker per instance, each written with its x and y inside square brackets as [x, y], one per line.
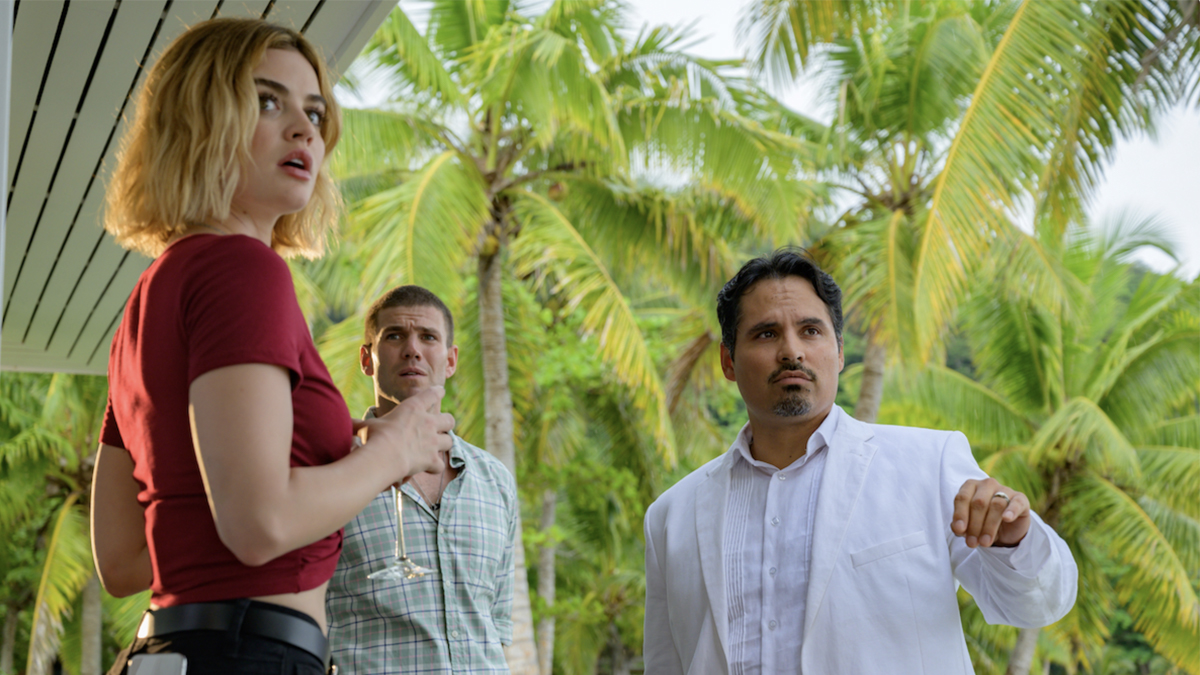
[498, 417]
[870, 394]
[1021, 658]
[616, 650]
[546, 582]
[8, 642]
[91, 628]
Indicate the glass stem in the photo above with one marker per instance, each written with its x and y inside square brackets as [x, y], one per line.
[400, 552]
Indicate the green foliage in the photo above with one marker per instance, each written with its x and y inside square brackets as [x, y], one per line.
[1080, 408]
[48, 437]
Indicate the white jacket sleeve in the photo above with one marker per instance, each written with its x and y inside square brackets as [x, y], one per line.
[1029, 586]
[658, 648]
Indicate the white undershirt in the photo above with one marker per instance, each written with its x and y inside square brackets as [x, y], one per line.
[767, 553]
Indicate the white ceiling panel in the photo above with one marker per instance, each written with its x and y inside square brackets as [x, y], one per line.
[77, 67]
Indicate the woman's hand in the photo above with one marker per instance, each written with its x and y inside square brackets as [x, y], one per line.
[262, 506]
[413, 433]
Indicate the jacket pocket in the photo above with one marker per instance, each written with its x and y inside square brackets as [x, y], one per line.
[890, 547]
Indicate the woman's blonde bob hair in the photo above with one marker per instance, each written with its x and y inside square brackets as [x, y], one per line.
[180, 161]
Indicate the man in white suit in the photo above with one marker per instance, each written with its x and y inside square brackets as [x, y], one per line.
[819, 544]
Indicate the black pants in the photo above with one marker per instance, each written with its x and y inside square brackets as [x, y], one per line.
[213, 652]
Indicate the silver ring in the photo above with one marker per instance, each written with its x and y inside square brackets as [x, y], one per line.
[1002, 494]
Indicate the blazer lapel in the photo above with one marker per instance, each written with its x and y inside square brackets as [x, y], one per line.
[841, 483]
[711, 496]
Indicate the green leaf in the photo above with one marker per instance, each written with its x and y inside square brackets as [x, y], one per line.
[67, 567]
[423, 231]
[550, 244]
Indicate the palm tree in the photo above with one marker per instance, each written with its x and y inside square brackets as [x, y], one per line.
[1092, 411]
[48, 438]
[503, 115]
[1057, 85]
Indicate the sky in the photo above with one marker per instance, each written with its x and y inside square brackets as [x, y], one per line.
[1148, 177]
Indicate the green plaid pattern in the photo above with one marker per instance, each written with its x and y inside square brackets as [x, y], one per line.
[454, 620]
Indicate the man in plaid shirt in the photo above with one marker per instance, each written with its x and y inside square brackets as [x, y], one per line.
[458, 523]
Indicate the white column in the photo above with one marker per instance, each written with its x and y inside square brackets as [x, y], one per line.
[6, 30]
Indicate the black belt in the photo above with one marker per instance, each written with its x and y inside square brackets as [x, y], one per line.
[258, 620]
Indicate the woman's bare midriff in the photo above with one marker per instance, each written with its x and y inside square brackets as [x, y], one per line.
[311, 602]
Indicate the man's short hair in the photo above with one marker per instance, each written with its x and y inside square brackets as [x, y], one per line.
[405, 296]
[784, 262]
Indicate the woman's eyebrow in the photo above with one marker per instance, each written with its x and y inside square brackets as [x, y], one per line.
[284, 91]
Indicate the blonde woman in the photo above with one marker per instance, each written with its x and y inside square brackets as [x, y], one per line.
[225, 469]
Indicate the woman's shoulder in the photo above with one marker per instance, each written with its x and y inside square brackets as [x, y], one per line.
[232, 256]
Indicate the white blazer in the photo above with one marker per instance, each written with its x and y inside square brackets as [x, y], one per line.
[881, 593]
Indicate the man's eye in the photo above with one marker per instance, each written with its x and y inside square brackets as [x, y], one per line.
[767, 334]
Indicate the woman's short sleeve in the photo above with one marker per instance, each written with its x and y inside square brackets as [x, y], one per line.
[240, 307]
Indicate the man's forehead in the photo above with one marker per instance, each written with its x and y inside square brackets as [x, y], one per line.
[780, 297]
[411, 316]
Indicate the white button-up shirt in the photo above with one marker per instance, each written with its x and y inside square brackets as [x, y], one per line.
[768, 551]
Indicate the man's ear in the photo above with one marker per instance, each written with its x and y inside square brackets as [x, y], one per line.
[727, 363]
[841, 355]
[365, 361]
[451, 361]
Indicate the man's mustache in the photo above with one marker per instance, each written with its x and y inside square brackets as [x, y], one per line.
[789, 369]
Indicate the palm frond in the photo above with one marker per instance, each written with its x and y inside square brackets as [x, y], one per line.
[982, 414]
[993, 155]
[338, 345]
[1017, 350]
[747, 164]
[1172, 477]
[1156, 587]
[22, 487]
[1181, 530]
[398, 45]
[378, 142]
[543, 77]
[35, 443]
[457, 25]
[781, 34]
[122, 615]
[877, 277]
[1154, 381]
[1080, 430]
[550, 245]
[67, 567]
[422, 232]
[1182, 432]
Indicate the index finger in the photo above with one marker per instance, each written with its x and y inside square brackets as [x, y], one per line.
[962, 507]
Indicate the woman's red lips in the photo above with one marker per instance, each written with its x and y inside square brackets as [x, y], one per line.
[298, 163]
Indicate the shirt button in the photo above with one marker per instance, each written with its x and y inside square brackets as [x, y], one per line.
[774, 522]
[781, 476]
[771, 625]
[453, 633]
[772, 570]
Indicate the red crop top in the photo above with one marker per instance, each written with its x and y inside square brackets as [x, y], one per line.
[211, 301]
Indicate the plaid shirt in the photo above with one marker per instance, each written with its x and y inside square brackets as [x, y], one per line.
[451, 621]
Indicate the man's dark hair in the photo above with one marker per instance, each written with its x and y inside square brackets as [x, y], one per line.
[406, 296]
[784, 262]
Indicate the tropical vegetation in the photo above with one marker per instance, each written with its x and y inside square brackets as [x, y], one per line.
[577, 191]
